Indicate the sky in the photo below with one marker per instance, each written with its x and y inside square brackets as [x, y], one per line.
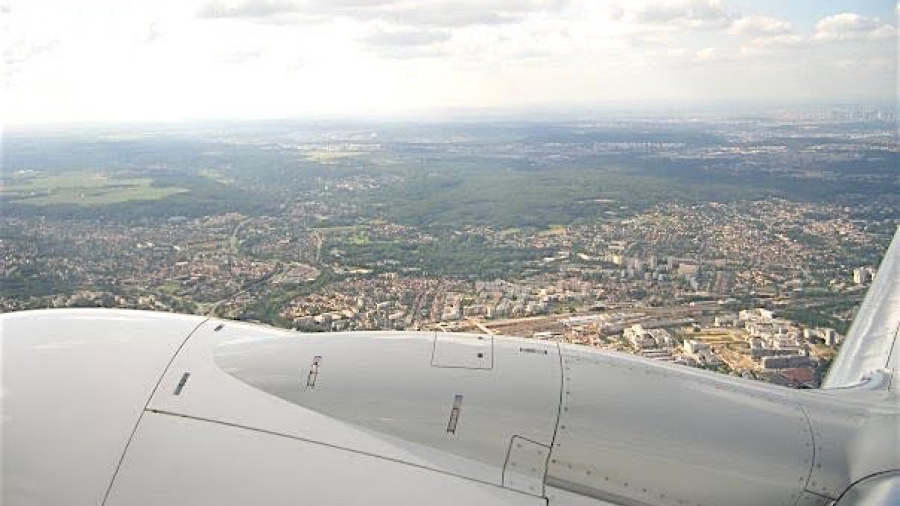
[176, 60]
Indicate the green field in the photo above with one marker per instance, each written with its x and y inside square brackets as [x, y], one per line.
[82, 189]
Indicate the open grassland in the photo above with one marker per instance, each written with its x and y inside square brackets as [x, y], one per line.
[82, 189]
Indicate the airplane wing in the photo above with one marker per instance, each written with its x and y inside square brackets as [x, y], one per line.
[138, 408]
[130, 408]
[871, 345]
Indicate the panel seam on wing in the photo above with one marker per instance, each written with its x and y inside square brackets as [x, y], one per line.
[332, 446]
[146, 405]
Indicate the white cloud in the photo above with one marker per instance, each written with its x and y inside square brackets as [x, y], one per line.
[705, 54]
[407, 37]
[248, 9]
[680, 55]
[869, 64]
[691, 14]
[407, 43]
[759, 25]
[850, 26]
[767, 44]
[450, 13]
[239, 55]
[768, 34]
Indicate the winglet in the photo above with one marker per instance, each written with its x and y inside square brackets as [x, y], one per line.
[872, 343]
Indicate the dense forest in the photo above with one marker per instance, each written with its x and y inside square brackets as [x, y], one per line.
[442, 177]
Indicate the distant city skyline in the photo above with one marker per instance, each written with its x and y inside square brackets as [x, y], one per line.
[130, 61]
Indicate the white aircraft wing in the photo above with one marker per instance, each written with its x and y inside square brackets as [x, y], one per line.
[210, 463]
[137, 408]
[871, 345]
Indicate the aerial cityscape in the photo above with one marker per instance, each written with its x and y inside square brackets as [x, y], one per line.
[741, 243]
[450, 252]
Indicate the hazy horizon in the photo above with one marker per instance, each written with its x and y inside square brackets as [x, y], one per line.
[599, 114]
